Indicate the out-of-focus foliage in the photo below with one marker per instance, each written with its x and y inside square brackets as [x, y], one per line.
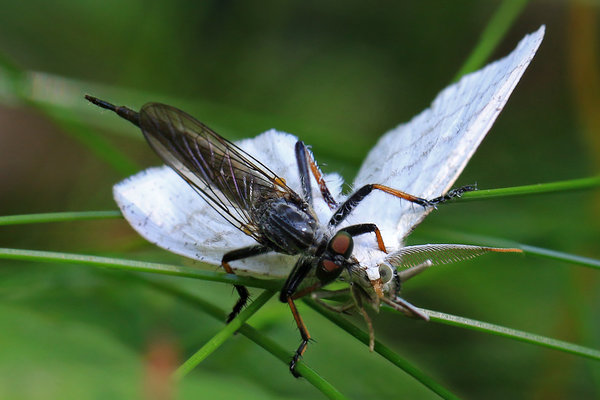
[338, 75]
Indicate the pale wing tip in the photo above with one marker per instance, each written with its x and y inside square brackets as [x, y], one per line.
[535, 38]
[540, 32]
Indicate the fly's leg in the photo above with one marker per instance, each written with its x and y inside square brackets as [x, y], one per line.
[303, 333]
[346, 208]
[360, 229]
[301, 269]
[305, 161]
[301, 160]
[239, 254]
[295, 278]
[452, 194]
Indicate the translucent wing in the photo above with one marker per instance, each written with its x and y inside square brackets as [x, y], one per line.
[168, 212]
[230, 180]
[425, 156]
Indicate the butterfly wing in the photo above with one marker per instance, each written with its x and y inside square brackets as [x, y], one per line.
[426, 155]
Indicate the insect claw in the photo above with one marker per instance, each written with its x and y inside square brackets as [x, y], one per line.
[425, 203]
[430, 203]
[240, 304]
[293, 366]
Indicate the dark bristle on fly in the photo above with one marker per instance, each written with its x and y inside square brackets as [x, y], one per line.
[124, 112]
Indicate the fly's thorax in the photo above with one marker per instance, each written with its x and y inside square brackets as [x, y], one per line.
[290, 227]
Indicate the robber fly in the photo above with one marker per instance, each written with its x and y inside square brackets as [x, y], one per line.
[260, 204]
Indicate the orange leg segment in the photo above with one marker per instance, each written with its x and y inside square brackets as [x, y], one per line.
[314, 168]
[380, 240]
[360, 229]
[303, 333]
[401, 194]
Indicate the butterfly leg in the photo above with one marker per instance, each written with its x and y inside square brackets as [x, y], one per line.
[305, 161]
[327, 294]
[399, 304]
[346, 208]
[356, 302]
[357, 296]
[239, 254]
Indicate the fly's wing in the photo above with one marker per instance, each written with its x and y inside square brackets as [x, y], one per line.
[230, 180]
[168, 212]
[425, 156]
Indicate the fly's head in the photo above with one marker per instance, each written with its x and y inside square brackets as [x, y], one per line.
[336, 257]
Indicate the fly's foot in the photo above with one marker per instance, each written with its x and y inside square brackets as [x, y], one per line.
[293, 365]
[452, 194]
[298, 355]
[240, 304]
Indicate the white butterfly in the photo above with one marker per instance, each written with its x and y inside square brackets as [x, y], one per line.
[267, 197]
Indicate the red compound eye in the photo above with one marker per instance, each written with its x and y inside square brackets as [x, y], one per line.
[328, 270]
[329, 265]
[342, 244]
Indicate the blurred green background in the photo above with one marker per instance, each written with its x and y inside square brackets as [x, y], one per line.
[337, 75]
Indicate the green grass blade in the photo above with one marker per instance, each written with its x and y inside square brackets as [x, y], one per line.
[136, 266]
[91, 139]
[12, 78]
[501, 21]
[540, 188]
[522, 336]
[383, 350]
[22, 87]
[560, 256]
[66, 216]
[251, 333]
[216, 341]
